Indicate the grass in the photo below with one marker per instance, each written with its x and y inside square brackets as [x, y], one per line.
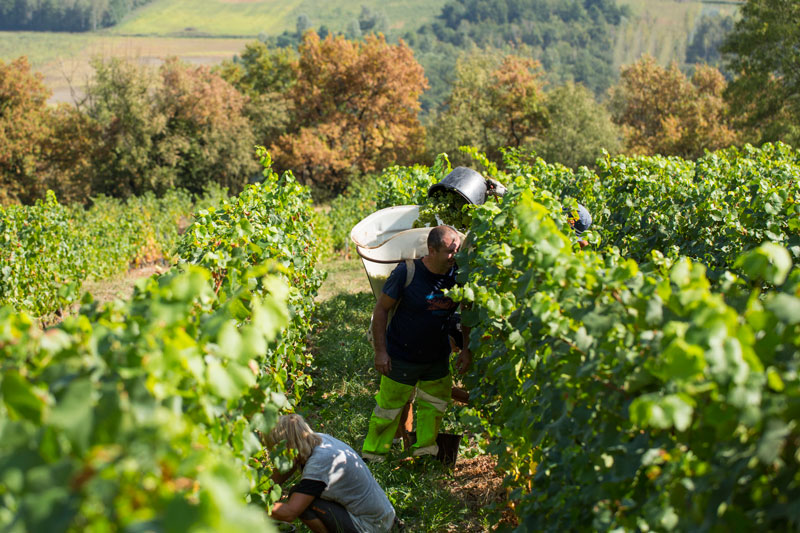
[251, 17]
[426, 497]
[41, 47]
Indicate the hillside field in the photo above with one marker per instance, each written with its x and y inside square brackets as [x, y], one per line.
[662, 28]
[252, 17]
[63, 58]
[210, 31]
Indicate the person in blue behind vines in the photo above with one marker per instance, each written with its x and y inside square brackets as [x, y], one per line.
[579, 220]
[415, 350]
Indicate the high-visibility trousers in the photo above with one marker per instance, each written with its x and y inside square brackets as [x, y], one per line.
[432, 399]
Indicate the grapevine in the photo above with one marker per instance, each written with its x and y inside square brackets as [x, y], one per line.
[144, 414]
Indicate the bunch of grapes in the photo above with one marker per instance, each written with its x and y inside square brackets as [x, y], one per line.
[445, 208]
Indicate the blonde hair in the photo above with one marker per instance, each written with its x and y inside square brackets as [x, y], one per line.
[297, 433]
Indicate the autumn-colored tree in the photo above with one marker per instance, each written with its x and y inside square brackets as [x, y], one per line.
[69, 154]
[763, 52]
[178, 126]
[23, 127]
[496, 101]
[661, 111]
[208, 138]
[355, 110]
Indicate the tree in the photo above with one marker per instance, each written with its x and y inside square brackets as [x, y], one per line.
[496, 101]
[574, 39]
[580, 128]
[119, 99]
[303, 24]
[180, 126]
[264, 74]
[70, 153]
[23, 128]
[355, 110]
[709, 34]
[662, 112]
[63, 15]
[208, 138]
[370, 21]
[763, 51]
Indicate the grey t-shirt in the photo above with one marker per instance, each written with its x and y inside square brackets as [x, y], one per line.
[350, 484]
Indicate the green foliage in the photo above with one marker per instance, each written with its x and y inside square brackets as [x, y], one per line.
[573, 40]
[764, 50]
[709, 35]
[632, 395]
[579, 130]
[347, 209]
[49, 249]
[496, 101]
[181, 126]
[711, 210]
[409, 185]
[145, 414]
[264, 74]
[271, 220]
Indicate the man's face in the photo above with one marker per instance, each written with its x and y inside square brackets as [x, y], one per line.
[446, 255]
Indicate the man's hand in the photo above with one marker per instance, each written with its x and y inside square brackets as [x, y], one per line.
[464, 360]
[383, 363]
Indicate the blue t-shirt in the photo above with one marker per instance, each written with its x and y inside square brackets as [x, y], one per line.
[418, 330]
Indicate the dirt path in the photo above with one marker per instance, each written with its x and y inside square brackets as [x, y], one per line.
[120, 286]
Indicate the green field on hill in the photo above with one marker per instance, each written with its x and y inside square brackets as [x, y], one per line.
[662, 28]
[271, 17]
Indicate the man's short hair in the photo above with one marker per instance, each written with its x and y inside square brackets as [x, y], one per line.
[437, 235]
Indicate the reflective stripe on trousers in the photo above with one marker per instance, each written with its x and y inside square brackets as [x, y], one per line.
[432, 400]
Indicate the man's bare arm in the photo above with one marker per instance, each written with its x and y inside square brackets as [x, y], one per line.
[380, 317]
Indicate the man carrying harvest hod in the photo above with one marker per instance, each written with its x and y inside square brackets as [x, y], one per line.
[414, 351]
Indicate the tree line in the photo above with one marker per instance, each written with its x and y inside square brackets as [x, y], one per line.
[334, 109]
[63, 15]
[573, 40]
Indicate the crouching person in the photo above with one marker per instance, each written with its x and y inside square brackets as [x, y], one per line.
[336, 492]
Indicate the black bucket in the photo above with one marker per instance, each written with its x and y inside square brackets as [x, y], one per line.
[448, 447]
[465, 182]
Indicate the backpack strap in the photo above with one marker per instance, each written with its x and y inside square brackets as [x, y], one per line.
[410, 266]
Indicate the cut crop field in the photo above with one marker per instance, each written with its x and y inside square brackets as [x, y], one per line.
[63, 58]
